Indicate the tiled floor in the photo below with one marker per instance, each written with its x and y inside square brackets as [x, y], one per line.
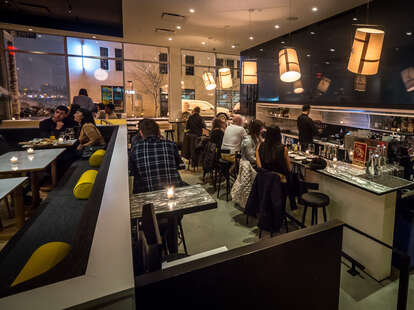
[226, 226]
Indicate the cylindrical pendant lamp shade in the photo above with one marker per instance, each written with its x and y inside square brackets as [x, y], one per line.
[360, 83]
[407, 76]
[289, 65]
[209, 80]
[366, 51]
[249, 72]
[225, 78]
[298, 87]
[324, 84]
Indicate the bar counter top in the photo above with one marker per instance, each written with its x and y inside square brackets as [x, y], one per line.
[356, 176]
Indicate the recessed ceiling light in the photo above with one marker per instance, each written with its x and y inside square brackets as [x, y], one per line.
[169, 39]
[408, 33]
[314, 9]
[308, 55]
[191, 10]
[203, 43]
[93, 37]
[283, 42]
[312, 33]
[332, 50]
[327, 62]
[355, 19]
[233, 46]
[30, 29]
[277, 26]
[261, 50]
[251, 38]
[178, 27]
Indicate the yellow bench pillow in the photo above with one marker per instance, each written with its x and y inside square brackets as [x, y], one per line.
[42, 260]
[96, 158]
[83, 188]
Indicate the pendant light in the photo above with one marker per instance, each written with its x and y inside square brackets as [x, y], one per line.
[324, 84]
[208, 79]
[225, 78]
[407, 76]
[360, 83]
[366, 50]
[249, 72]
[289, 68]
[298, 87]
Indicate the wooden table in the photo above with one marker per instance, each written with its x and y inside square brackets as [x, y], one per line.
[13, 186]
[31, 163]
[187, 199]
[55, 145]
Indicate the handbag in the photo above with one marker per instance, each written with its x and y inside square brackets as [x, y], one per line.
[87, 151]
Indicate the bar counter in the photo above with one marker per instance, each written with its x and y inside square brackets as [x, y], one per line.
[365, 203]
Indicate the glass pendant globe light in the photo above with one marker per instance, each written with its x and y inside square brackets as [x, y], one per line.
[209, 82]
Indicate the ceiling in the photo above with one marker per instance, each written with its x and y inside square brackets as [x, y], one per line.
[222, 23]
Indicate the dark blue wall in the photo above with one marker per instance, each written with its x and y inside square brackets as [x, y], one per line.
[384, 90]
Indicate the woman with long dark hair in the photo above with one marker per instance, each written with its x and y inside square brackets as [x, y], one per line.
[89, 135]
[217, 132]
[251, 141]
[272, 154]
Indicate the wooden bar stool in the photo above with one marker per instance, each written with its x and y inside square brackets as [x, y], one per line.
[169, 133]
[315, 200]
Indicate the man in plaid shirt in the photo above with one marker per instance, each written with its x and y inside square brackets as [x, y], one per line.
[154, 162]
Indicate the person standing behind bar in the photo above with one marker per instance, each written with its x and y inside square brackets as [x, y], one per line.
[195, 123]
[306, 127]
[84, 101]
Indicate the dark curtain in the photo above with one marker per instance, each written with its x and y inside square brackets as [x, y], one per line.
[248, 99]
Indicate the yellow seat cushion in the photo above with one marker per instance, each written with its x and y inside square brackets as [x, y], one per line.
[96, 158]
[42, 260]
[83, 188]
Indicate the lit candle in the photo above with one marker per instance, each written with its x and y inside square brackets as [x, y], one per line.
[307, 152]
[335, 159]
[351, 153]
[13, 160]
[170, 192]
[60, 140]
[30, 150]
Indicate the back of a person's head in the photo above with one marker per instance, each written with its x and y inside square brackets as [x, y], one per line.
[273, 135]
[83, 92]
[74, 107]
[238, 120]
[197, 110]
[149, 127]
[62, 108]
[110, 106]
[255, 126]
[217, 123]
[306, 108]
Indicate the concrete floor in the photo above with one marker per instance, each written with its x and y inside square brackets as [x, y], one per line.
[226, 226]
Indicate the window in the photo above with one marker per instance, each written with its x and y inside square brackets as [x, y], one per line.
[220, 62]
[118, 63]
[163, 68]
[112, 94]
[230, 63]
[238, 69]
[163, 57]
[189, 70]
[188, 94]
[189, 60]
[104, 62]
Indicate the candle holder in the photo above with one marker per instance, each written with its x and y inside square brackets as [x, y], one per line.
[30, 150]
[170, 192]
[14, 160]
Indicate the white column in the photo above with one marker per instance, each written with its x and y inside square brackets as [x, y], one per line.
[174, 88]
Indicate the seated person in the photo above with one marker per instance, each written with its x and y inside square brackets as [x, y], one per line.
[217, 132]
[108, 112]
[56, 124]
[154, 162]
[251, 141]
[89, 135]
[195, 123]
[233, 136]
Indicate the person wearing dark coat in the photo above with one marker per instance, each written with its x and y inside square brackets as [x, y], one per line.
[195, 123]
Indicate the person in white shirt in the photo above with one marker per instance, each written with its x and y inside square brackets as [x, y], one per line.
[233, 136]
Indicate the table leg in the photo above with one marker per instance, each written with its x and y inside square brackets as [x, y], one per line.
[54, 174]
[19, 206]
[35, 190]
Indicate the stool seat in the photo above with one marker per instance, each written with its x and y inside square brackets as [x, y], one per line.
[315, 199]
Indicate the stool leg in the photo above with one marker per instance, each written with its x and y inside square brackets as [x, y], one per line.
[219, 184]
[324, 214]
[260, 234]
[304, 215]
[316, 216]
[227, 188]
[313, 217]
[180, 225]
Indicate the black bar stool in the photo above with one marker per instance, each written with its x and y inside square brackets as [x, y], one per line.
[315, 200]
[223, 167]
[169, 133]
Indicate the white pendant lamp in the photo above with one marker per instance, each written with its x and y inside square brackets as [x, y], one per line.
[249, 72]
[360, 83]
[366, 51]
[289, 65]
[100, 74]
[209, 82]
[225, 78]
[324, 84]
[407, 76]
[298, 87]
